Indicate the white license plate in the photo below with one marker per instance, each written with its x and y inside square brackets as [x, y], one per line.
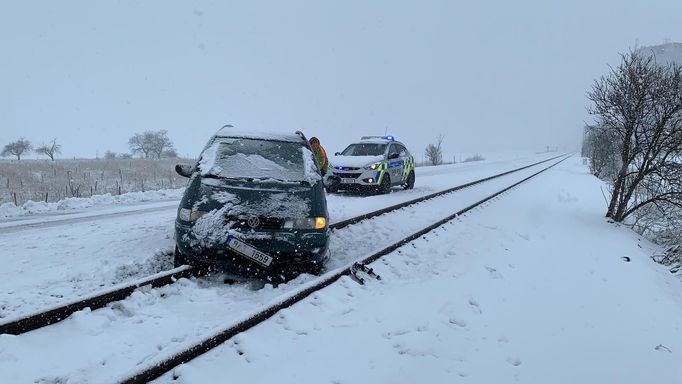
[249, 252]
[347, 180]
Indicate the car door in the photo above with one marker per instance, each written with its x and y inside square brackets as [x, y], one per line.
[395, 164]
[407, 162]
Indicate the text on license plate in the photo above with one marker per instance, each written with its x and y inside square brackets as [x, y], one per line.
[249, 252]
[347, 181]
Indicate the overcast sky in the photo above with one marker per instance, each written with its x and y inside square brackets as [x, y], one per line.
[490, 76]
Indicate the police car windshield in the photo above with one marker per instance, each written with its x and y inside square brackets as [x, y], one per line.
[365, 149]
[237, 158]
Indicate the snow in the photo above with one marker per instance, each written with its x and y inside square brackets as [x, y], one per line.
[232, 132]
[155, 322]
[310, 171]
[530, 288]
[71, 204]
[220, 162]
[50, 259]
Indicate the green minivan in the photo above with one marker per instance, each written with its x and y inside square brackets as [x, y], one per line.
[254, 207]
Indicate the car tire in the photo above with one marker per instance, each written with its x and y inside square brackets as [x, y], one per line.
[385, 186]
[409, 184]
[179, 259]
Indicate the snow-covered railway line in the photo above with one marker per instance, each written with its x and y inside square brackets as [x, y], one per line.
[47, 266]
[29, 322]
[161, 367]
[155, 324]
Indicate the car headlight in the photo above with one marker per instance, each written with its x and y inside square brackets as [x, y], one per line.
[306, 223]
[373, 166]
[191, 215]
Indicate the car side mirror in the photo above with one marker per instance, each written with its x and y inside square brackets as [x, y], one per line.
[393, 156]
[184, 170]
[337, 153]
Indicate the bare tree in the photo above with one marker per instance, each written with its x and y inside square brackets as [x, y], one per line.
[109, 155]
[16, 148]
[170, 154]
[50, 150]
[639, 105]
[600, 146]
[434, 152]
[150, 143]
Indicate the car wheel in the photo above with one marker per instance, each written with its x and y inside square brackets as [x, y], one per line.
[409, 184]
[385, 186]
[179, 259]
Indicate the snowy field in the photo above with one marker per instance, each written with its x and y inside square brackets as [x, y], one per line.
[46, 182]
[530, 288]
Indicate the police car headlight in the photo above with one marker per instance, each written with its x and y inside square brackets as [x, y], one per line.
[306, 223]
[373, 166]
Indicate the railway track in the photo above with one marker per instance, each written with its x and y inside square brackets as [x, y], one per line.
[159, 368]
[98, 300]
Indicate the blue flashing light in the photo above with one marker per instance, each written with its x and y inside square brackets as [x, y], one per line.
[389, 137]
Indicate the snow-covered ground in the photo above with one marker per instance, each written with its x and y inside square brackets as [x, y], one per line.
[79, 204]
[534, 288]
[96, 346]
[50, 259]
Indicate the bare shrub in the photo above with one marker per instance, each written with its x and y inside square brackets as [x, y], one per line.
[475, 157]
[50, 150]
[16, 148]
[434, 152]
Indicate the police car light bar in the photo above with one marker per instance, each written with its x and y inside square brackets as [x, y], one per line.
[389, 137]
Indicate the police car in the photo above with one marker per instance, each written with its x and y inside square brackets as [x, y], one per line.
[375, 163]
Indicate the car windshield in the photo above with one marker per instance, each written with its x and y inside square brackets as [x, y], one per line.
[365, 149]
[254, 159]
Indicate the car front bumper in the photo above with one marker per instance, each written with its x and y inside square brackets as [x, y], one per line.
[357, 177]
[292, 252]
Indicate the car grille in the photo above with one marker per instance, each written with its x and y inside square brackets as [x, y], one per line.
[264, 223]
[347, 168]
[348, 175]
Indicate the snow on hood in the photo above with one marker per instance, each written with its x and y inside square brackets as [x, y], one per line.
[354, 161]
[213, 228]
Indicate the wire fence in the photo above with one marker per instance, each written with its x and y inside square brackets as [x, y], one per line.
[51, 181]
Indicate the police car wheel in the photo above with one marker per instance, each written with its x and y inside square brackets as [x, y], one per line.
[385, 186]
[409, 184]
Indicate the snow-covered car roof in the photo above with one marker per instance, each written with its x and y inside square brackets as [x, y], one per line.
[232, 132]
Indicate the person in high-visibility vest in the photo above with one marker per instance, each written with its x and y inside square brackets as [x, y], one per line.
[320, 154]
